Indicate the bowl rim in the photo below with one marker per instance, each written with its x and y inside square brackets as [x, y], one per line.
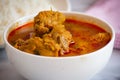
[64, 57]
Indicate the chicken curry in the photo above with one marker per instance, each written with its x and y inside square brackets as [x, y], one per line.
[52, 34]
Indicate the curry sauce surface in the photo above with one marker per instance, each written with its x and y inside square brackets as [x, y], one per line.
[87, 37]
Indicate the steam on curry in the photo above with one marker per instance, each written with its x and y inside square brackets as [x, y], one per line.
[52, 34]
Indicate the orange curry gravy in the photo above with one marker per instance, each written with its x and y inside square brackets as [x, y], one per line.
[81, 33]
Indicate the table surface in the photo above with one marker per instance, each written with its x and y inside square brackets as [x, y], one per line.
[110, 72]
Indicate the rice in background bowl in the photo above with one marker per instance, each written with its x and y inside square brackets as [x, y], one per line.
[81, 67]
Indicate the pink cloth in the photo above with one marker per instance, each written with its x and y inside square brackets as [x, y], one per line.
[108, 10]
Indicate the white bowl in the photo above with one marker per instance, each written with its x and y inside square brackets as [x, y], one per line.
[83, 67]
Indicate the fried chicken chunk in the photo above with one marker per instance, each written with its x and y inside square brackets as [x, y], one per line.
[100, 38]
[38, 46]
[46, 20]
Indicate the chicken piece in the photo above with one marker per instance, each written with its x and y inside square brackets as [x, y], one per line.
[45, 21]
[45, 47]
[51, 46]
[62, 37]
[100, 38]
[28, 45]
